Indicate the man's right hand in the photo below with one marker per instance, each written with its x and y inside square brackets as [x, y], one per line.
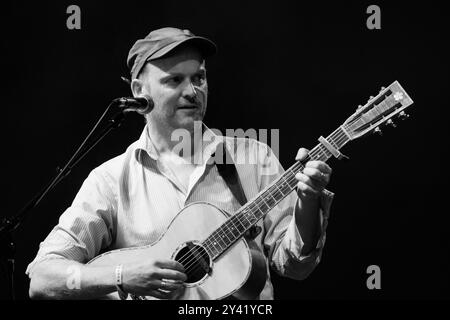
[162, 279]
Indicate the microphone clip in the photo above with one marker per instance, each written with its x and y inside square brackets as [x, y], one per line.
[141, 105]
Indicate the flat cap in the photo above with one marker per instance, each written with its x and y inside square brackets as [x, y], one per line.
[160, 42]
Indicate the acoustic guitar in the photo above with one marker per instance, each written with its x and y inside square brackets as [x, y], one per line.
[219, 262]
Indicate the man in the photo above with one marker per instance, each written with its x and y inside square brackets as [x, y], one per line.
[130, 200]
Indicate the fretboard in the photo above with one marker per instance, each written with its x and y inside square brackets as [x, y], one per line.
[248, 215]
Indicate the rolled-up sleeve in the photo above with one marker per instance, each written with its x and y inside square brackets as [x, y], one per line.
[85, 228]
[288, 258]
[282, 241]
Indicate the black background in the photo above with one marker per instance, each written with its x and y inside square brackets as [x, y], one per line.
[300, 68]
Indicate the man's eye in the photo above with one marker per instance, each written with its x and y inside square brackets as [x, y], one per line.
[174, 80]
[198, 79]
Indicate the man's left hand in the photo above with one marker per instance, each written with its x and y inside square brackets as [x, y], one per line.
[314, 178]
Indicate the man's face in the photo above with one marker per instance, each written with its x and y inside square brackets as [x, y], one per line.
[178, 87]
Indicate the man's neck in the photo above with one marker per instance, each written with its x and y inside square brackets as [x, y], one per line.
[166, 143]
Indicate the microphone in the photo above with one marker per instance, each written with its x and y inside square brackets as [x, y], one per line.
[141, 105]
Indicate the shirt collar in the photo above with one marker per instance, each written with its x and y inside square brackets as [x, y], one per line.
[145, 144]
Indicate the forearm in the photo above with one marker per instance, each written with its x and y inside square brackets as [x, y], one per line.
[66, 279]
[307, 219]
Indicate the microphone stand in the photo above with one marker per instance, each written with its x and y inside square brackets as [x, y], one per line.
[8, 225]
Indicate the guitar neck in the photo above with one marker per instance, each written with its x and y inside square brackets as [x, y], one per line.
[249, 214]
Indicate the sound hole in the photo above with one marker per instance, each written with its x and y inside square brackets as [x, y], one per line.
[195, 260]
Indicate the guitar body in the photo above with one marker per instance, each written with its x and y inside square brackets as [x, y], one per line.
[240, 272]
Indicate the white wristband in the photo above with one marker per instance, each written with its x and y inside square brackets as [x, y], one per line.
[122, 294]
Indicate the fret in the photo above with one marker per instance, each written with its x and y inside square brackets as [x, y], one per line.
[322, 152]
[239, 226]
[264, 200]
[284, 184]
[314, 154]
[250, 217]
[272, 199]
[221, 241]
[276, 186]
[244, 223]
[234, 228]
[220, 236]
[212, 250]
[291, 181]
[271, 192]
[326, 153]
[253, 218]
[260, 202]
[244, 215]
[261, 212]
[216, 243]
[336, 138]
[241, 222]
[225, 232]
[340, 138]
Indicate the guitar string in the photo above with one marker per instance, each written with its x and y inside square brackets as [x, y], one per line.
[284, 190]
[389, 101]
[275, 184]
[262, 196]
[213, 238]
[192, 266]
[313, 154]
[274, 189]
[226, 234]
[319, 152]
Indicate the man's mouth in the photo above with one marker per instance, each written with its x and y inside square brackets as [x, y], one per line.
[188, 107]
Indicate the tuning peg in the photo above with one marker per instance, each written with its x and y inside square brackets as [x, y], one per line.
[378, 130]
[382, 88]
[391, 123]
[402, 115]
[359, 107]
[370, 98]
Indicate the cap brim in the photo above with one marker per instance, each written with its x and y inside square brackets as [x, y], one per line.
[206, 47]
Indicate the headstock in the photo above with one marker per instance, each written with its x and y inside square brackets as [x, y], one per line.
[389, 102]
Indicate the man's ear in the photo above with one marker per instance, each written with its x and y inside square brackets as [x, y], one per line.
[137, 87]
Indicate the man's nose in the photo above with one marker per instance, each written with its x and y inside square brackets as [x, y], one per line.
[189, 90]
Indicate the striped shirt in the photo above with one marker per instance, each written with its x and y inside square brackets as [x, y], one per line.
[131, 199]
